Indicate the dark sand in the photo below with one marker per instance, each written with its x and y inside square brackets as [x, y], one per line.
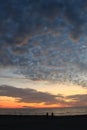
[13, 122]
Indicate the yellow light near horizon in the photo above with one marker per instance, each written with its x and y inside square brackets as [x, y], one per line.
[9, 102]
[66, 89]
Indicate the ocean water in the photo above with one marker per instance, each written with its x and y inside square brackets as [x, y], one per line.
[56, 111]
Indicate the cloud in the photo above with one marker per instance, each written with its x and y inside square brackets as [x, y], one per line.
[28, 38]
[78, 100]
[27, 95]
[26, 17]
[51, 9]
[80, 97]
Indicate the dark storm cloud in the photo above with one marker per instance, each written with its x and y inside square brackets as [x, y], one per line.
[40, 37]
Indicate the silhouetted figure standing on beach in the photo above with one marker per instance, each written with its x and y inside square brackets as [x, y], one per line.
[52, 115]
[47, 114]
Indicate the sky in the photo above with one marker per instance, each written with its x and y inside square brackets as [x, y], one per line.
[43, 53]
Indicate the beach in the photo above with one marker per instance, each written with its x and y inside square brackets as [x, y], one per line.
[36, 122]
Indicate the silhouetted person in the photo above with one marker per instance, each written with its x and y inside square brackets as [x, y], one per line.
[47, 114]
[52, 115]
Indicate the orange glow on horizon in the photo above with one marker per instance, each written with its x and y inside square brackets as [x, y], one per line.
[9, 102]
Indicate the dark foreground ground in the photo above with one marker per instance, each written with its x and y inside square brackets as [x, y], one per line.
[13, 122]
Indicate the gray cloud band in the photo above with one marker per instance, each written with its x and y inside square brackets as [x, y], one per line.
[27, 95]
[33, 96]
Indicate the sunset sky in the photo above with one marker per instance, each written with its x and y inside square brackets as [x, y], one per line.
[43, 53]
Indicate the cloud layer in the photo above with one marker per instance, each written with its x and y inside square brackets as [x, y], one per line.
[45, 39]
[33, 96]
[27, 95]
